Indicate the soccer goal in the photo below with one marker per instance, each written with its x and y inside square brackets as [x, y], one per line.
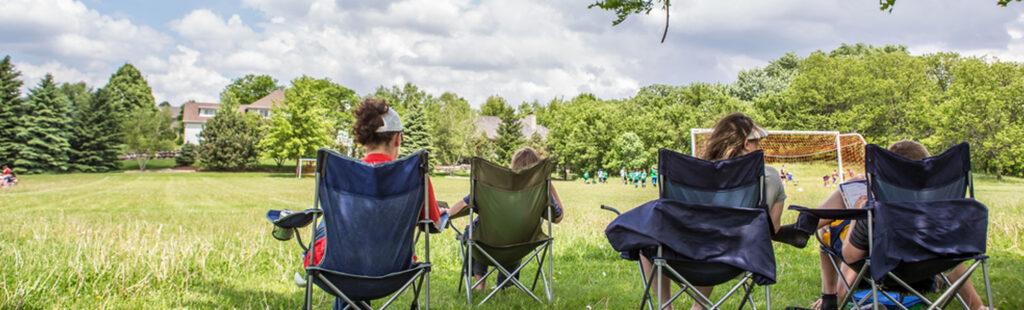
[834, 152]
[305, 164]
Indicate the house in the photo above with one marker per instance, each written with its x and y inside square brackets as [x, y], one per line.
[196, 114]
[488, 125]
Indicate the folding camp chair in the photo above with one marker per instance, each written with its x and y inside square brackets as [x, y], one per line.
[710, 226]
[921, 223]
[506, 212]
[371, 214]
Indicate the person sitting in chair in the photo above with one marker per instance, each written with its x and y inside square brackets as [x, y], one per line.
[378, 129]
[855, 244]
[734, 135]
[523, 159]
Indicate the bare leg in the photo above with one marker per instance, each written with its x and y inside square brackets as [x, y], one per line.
[829, 281]
[666, 285]
[706, 291]
[967, 291]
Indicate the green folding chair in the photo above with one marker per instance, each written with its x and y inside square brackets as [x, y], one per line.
[510, 208]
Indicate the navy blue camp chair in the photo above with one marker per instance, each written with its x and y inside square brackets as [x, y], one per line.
[371, 214]
[710, 226]
[923, 220]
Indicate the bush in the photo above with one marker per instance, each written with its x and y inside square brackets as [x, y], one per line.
[186, 155]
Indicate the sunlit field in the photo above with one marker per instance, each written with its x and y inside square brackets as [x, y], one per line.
[200, 240]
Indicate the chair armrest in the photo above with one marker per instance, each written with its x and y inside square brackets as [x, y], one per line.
[833, 214]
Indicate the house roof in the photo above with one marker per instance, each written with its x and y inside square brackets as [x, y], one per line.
[274, 98]
[488, 125]
[191, 114]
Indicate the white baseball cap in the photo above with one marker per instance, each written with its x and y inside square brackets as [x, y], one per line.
[757, 134]
[392, 122]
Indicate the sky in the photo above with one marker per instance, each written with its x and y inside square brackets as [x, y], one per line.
[523, 50]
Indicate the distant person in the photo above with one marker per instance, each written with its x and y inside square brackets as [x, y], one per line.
[625, 178]
[789, 177]
[835, 177]
[825, 181]
[586, 177]
[782, 173]
[7, 179]
[643, 178]
[523, 159]
[654, 177]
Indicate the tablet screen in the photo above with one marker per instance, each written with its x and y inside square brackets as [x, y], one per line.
[852, 191]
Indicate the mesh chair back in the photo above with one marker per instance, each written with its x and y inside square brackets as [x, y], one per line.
[510, 204]
[735, 182]
[897, 179]
[370, 212]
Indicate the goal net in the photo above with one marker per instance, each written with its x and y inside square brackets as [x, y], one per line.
[818, 153]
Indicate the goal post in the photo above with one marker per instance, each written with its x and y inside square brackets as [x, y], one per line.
[845, 152]
[304, 162]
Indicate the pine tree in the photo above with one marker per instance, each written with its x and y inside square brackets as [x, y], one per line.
[12, 107]
[45, 145]
[510, 137]
[97, 135]
[128, 90]
[416, 135]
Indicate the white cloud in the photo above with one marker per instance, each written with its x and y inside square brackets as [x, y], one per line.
[185, 79]
[521, 49]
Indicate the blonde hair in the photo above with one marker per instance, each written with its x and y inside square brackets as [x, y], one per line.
[911, 150]
[525, 158]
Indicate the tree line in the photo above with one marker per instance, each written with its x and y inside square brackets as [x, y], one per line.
[882, 92]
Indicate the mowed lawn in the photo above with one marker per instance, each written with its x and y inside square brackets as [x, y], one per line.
[200, 240]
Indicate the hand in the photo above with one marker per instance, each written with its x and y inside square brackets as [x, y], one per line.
[861, 202]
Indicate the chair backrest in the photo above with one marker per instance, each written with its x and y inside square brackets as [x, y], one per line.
[736, 182]
[510, 204]
[370, 211]
[893, 178]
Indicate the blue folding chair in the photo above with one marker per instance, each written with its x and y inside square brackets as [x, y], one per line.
[710, 226]
[371, 214]
[922, 220]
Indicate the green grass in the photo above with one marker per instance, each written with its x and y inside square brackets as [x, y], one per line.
[199, 240]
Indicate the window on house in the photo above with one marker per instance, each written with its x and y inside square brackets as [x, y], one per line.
[207, 112]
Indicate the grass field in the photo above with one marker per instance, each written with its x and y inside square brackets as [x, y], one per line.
[200, 240]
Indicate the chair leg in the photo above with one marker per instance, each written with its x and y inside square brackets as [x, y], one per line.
[540, 267]
[988, 284]
[768, 297]
[308, 300]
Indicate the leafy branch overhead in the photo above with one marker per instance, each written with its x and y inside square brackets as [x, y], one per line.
[625, 8]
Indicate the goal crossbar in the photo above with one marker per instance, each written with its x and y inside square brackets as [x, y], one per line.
[836, 146]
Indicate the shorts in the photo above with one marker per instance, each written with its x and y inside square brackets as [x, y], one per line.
[837, 231]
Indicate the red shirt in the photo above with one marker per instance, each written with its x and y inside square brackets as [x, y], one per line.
[376, 158]
[8, 171]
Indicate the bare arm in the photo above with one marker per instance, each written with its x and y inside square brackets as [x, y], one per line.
[554, 194]
[458, 207]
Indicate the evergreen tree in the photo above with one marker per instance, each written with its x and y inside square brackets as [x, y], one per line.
[510, 137]
[96, 135]
[127, 90]
[416, 135]
[45, 145]
[12, 108]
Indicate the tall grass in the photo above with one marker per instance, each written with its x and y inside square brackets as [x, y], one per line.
[199, 240]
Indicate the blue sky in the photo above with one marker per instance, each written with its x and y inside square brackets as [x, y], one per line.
[521, 49]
